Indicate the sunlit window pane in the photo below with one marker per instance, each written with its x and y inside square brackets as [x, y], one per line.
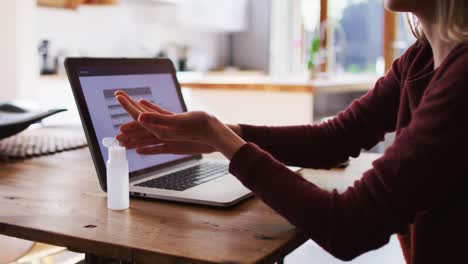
[404, 36]
[363, 24]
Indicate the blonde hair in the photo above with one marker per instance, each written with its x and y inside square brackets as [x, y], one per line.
[452, 16]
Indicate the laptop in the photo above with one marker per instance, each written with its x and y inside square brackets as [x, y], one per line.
[182, 178]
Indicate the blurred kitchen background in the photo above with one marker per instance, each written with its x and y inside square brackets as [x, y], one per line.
[271, 62]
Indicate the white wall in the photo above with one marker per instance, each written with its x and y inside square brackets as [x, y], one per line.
[130, 29]
[18, 65]
[281, 37]
[286, 38]
[252, 47]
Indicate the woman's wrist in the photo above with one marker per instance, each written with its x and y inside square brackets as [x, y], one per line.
[224, 139]
[237, 129]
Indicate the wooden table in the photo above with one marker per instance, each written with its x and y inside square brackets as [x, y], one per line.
[57, 200]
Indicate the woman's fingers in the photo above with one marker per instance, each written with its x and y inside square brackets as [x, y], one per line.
[141, 143]
[152, 106]
[134, 135]
[177, 147]
[133, 111]
[161, 123]
[147, 109]
[131, 100]
[120, 92]
[153, 150]
[136, 129]
[130, 105]
[143, 105]
[127, 127]
[168, 148]
[158, 119]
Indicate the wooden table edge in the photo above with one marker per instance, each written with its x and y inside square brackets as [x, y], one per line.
[134, 255]
[283, 251]
[81, 245]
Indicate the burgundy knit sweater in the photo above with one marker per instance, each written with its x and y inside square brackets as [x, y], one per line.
[416, 189]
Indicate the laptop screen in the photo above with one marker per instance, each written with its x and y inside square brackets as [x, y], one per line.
[98, 86]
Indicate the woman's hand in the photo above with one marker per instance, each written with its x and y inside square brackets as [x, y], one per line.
[156, 131]
[134, 136]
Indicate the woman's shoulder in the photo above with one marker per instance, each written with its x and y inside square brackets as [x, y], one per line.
[417, 51]
[452, 75]
[455, 65]
[415, 61]
[418, 48]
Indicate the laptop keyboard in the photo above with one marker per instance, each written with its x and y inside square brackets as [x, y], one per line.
[188, 178]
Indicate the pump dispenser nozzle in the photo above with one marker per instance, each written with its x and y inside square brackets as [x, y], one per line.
[116, 152]
[117, 176]
[109, 142]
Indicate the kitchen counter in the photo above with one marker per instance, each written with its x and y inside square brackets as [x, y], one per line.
[257, 81]
[343, 83]
[231, 106]
[231, 95]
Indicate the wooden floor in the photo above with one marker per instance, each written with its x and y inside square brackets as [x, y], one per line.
[310, 252]
[257, 108]
[47, 254]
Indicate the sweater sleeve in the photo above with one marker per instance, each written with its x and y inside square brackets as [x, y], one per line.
[416, 174]
[362, 125]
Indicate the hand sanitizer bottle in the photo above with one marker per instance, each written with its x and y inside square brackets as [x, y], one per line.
[118, 196]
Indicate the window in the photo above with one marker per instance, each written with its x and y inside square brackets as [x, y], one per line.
[351, 33]
[363, 37]
[404, 37]
[362, 24]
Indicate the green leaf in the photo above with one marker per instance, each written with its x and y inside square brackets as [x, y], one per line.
[315, 45]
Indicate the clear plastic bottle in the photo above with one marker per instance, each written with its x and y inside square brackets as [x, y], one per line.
[118, 196]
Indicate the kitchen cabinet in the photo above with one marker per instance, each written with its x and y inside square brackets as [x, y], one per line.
[100, 2]
[215, 16]
[73, 4]
[226, 16]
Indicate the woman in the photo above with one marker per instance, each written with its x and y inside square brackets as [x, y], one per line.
[415, 189]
